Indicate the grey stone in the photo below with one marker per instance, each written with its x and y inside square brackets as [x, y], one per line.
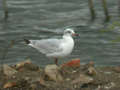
[8, 70]
[52, 71]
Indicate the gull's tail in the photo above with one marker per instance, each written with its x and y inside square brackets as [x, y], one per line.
[27, 41]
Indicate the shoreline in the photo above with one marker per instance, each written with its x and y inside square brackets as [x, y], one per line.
[71, 75]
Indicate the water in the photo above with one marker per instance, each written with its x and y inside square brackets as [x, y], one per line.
[37, 19]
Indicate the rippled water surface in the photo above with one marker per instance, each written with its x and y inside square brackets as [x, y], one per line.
[37, 19]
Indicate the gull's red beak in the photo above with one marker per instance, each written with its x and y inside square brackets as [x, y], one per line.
[75, 34]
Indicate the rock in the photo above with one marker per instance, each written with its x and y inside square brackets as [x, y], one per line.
[42, 82]
[31, 67]
[72, 63]
[110, 85]
[8, 71]
[92, 71]
[28, 61]
[117, 69]
[21, 69]
[83, 79]
[22, 82]
[33, 86]
[68, 79]
[26, 65]
[21, 64]
[27, 78]
[9, 84]
[52, 71]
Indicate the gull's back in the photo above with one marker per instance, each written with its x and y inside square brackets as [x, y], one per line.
[47, 46]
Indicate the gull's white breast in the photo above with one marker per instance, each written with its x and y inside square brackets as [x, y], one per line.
[67, 45]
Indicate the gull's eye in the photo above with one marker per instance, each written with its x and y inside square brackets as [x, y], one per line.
[69, 32]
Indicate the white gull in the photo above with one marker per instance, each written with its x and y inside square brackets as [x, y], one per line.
[55, 48]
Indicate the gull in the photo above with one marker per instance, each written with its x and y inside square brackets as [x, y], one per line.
[53, 47]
